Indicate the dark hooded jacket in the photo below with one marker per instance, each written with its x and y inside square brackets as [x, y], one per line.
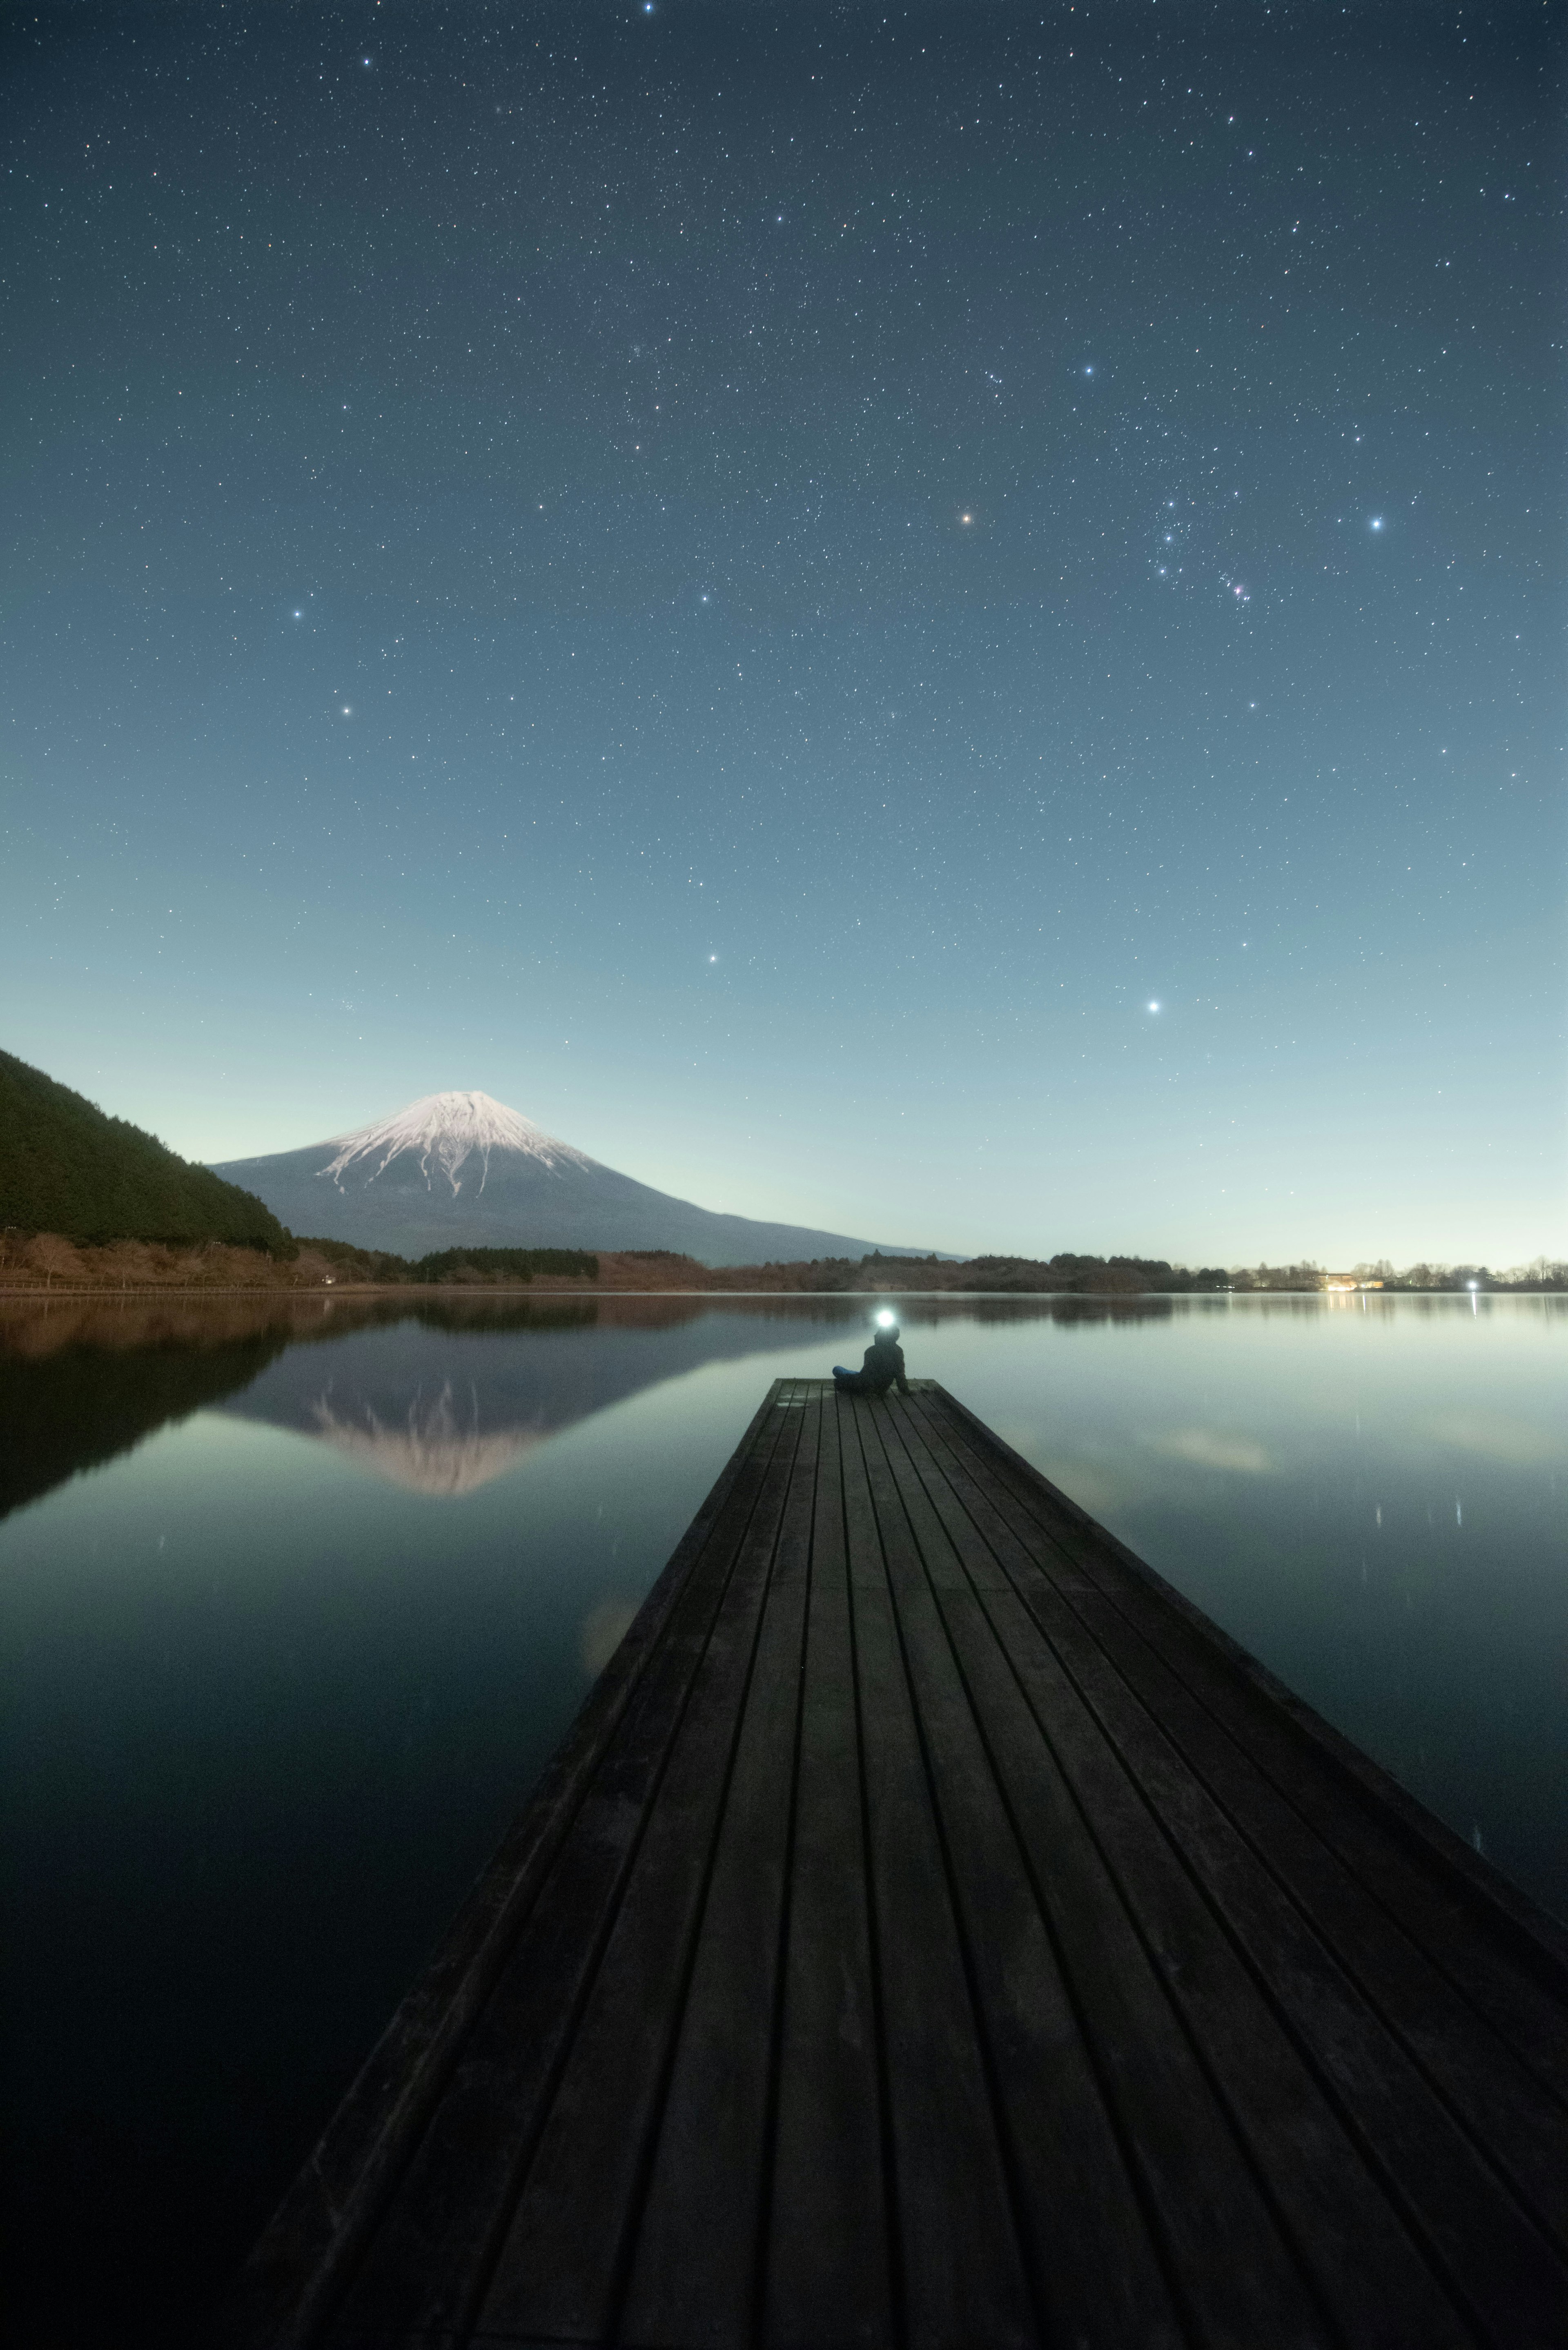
[884, 1365]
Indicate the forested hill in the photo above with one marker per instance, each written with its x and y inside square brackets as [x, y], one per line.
[65, 1166]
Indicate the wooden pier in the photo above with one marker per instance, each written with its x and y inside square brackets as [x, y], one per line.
[935, 1932]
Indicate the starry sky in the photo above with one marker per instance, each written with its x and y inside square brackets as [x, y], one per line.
[939, 622]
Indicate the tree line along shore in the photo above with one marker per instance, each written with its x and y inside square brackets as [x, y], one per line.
[91, 1203]
[52, 1261]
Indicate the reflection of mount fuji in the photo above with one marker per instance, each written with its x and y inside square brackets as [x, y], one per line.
[442, 1411]
[432, 1449]
[439, 1397]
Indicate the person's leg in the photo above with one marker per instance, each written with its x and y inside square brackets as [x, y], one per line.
[847, 1382]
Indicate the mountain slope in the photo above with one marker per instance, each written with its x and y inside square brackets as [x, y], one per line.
[65, 1166]
[459, 1169]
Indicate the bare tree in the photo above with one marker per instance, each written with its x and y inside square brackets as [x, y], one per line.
[54, 1257]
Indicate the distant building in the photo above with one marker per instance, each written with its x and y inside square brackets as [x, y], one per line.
[1342, 1281]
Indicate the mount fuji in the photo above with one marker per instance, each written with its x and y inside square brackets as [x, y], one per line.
[456, 1169]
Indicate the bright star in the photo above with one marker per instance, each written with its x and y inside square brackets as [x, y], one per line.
[1375, 524]
[347, 712]
[713, 958]
[966, 517]
[1153, 1007]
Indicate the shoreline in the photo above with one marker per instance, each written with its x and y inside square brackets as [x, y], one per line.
[547, 1287]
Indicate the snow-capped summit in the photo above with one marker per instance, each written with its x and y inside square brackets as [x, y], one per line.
[447, 1130]
[463, 1171]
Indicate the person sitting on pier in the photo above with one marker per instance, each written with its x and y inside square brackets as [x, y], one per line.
[883, 1365]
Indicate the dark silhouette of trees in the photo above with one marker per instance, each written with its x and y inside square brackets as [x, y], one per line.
[67, 1167]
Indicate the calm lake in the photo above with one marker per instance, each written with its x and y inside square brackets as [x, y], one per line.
[297, 1599]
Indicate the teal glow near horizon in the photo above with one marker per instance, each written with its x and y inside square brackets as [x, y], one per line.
[940, 627]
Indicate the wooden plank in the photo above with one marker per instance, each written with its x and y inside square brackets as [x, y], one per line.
[960, 2266]
[1093, 2267]
[1402, 2154]
[562, 2268]
[1401, 1997]
[426, 2272]
[1238, 2282]
[934, 1932]
[1512, 1983]
[1364, 2265]
[695, 2278]
[827, 2267]
[297, 2272]
[1486, 2030]
[1499, 1950]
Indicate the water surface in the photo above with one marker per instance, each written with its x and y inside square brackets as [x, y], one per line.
[297, 1599]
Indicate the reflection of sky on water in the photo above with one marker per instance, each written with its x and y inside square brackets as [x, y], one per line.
[296, 1607]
